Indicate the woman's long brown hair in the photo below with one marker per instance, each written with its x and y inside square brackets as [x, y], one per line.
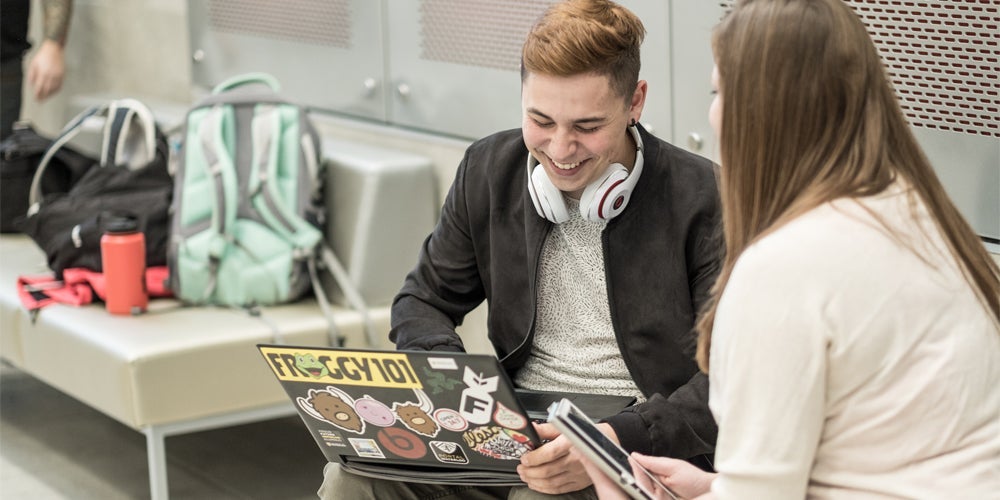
[809, 116]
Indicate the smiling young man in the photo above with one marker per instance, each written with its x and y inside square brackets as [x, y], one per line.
[594, 243]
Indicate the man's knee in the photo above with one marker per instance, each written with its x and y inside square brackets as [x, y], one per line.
[339, 484]
[525, 493]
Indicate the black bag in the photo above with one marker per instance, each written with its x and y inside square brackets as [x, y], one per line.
[131, 180]
[20, 154]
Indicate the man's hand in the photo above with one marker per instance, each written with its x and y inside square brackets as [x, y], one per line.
[555, 467]
[45, 73]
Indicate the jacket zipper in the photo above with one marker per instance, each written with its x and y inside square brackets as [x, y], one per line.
[534, 295]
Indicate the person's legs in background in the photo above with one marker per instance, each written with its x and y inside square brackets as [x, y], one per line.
[12, 75]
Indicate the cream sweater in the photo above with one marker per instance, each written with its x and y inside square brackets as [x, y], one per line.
[845, 366]
[575, 349]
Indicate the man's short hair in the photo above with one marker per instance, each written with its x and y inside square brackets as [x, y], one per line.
[586, 36]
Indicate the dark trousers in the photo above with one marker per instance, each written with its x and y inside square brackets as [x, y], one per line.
[12, 75]
[338, 484]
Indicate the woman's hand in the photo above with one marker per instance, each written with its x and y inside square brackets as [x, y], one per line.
[683, 479]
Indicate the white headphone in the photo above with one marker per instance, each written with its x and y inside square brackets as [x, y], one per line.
[601, 200]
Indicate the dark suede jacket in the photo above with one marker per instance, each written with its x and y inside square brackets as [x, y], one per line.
[661, 257]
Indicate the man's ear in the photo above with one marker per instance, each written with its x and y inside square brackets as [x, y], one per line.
[638, 100]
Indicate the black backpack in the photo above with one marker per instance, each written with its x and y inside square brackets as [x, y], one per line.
[130, 179]
[20, 154]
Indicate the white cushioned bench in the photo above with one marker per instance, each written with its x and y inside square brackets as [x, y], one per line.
[170, 371]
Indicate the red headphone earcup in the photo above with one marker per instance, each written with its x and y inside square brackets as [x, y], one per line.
[600, 196]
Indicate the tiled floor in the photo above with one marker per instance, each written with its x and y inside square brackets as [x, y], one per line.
[54, 447]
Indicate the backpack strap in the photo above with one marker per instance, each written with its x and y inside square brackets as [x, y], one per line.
[129, 135]
[264, 194]
[117, 137]
[221, 169]
[223, 174]
[72, 128]
[266, 131]
[245, 79]
[333, 332]
[336, 269]
[311, 155]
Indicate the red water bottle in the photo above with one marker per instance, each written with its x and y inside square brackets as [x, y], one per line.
[123, 258]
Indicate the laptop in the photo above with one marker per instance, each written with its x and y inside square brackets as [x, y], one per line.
[427, 416]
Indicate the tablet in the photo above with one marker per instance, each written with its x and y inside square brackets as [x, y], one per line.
[609, 457]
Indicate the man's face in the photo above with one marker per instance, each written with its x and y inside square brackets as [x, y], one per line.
[576, 126]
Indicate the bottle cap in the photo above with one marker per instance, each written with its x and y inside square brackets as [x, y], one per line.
[121, 224]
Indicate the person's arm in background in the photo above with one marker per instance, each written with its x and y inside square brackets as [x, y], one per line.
[48, 66]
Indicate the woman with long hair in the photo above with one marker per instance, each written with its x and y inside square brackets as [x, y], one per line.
[853, 339]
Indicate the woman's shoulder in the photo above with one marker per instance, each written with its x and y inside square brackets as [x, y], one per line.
[841, 235]
[886, 238]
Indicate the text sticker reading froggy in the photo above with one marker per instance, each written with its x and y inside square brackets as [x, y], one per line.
[390, 369]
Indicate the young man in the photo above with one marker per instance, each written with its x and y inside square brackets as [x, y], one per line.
[594, 243]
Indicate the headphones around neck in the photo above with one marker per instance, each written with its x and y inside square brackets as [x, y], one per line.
[601, 200]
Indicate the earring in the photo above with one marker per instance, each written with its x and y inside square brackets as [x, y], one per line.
[632, 123]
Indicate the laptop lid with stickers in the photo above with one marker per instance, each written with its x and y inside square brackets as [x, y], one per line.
[433, 410]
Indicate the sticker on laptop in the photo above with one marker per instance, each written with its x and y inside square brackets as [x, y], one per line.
[333, 406]
[331, 438]
[401, 442]
[442, 363]
[497, 442]
[310, 366]
[438, 382]
[374, 412]
[417, 416]
[477, 398]
[450, 419]
[509, 418]
[366, 448]
[448, 452]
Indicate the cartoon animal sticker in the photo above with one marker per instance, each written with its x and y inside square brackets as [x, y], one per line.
[333, 406]
[309, 366]
[477, 398]
[374, 412]
[417, 416]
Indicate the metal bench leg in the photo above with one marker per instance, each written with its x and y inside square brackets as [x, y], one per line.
[156, 435]
[156, 451]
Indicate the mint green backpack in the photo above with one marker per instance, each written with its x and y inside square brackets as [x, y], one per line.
[248, 202]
